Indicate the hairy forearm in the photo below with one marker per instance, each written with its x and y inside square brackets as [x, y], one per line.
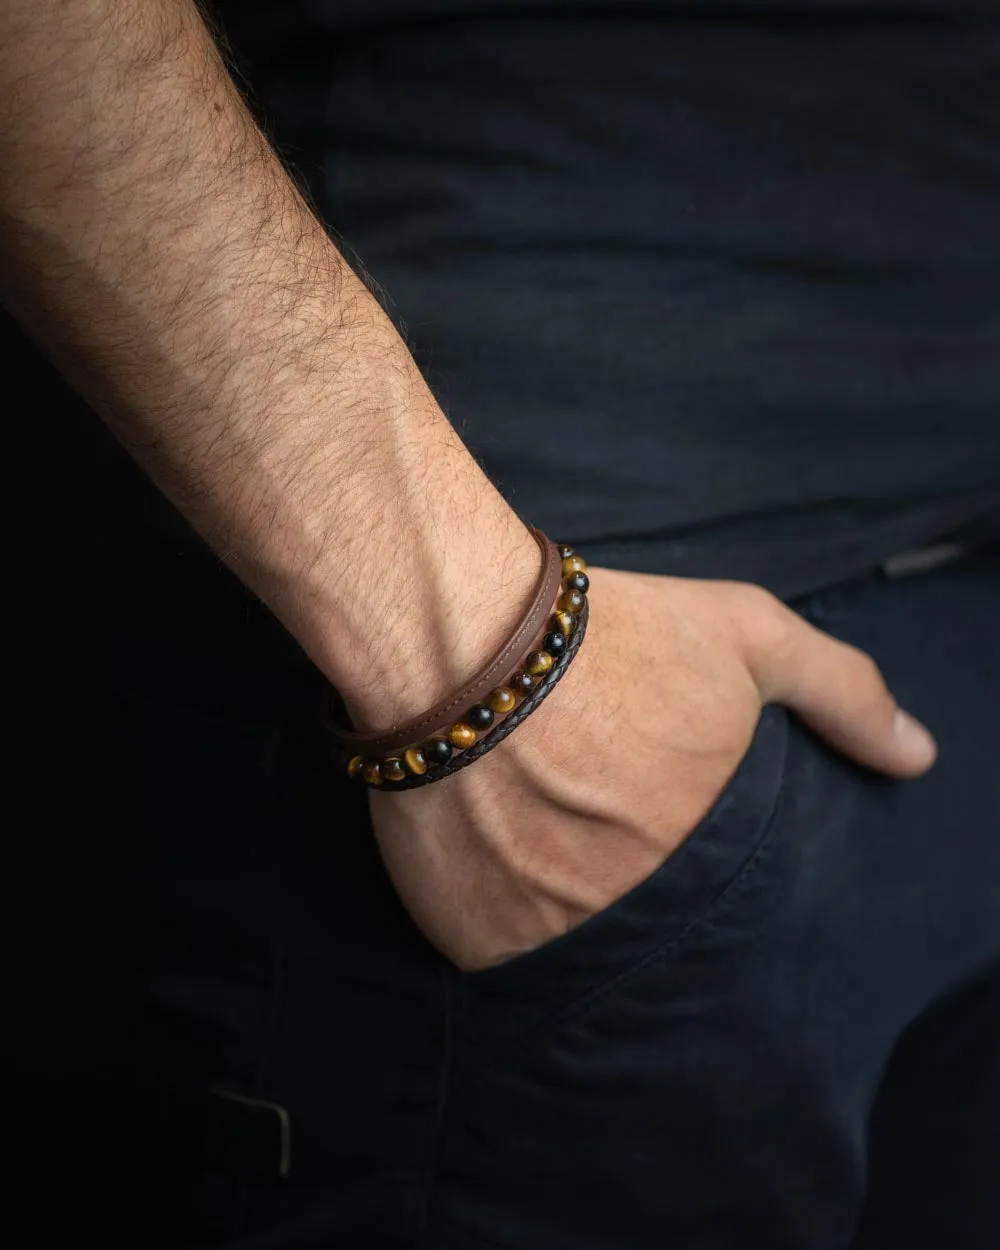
[154, 244]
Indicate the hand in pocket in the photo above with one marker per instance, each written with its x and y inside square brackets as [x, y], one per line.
[610, 774]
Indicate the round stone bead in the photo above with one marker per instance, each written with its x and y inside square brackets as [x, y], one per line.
[554, 643]
[564, 622]
[479, 717]
[573, 564]
[461, 735]
[571, 601]
[393, 770]
[437, 750]
[502, 699]
[415, 761]
[522, 683]
[372, 773]
[538, 662]
[354, 765]
[577, 581]
[565, 552]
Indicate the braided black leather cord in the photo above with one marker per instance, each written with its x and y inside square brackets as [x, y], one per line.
[509, 723]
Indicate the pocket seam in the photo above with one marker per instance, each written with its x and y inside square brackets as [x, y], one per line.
[577, 1006]
[704, 918]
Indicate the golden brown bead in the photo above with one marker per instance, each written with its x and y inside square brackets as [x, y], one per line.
[415, 761]
[354, 765]
[538, 662]
[372, 773]
[573, 564]
[461, 735]
[502, 699]
[393, 770]
[564, 622]
[571, 601]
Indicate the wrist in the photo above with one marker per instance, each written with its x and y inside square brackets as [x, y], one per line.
[401, 596]
[438, 616]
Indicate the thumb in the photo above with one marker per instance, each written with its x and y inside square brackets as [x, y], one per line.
[837, 690]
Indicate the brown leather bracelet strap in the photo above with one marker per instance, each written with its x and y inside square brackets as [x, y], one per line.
[509, 723]
[531, 625]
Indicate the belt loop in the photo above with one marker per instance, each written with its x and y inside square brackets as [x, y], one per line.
[246, 1130]
[922, 559]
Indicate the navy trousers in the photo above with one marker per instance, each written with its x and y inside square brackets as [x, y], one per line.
[788, 1037]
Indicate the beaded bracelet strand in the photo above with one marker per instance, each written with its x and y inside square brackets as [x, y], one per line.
[507, 724]
[492, 718]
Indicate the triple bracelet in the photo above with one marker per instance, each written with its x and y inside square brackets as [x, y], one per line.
[464, 726]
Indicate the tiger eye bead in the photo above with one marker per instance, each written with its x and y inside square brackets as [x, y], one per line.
[354, 765]
[554, 643]
[538, 662]
[393, 770]
[577, 581]
[522, 683]
[372, 773]
[461, 735]
[415, 761]
[479, 717]
[573, 564]
[502, 699]
[565, 551]
[437, 750]
[564, 622]
[571, 601]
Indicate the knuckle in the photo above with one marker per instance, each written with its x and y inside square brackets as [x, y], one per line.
[758, 598]
[767, 623]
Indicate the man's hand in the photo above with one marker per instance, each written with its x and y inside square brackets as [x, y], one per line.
[627, 755]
